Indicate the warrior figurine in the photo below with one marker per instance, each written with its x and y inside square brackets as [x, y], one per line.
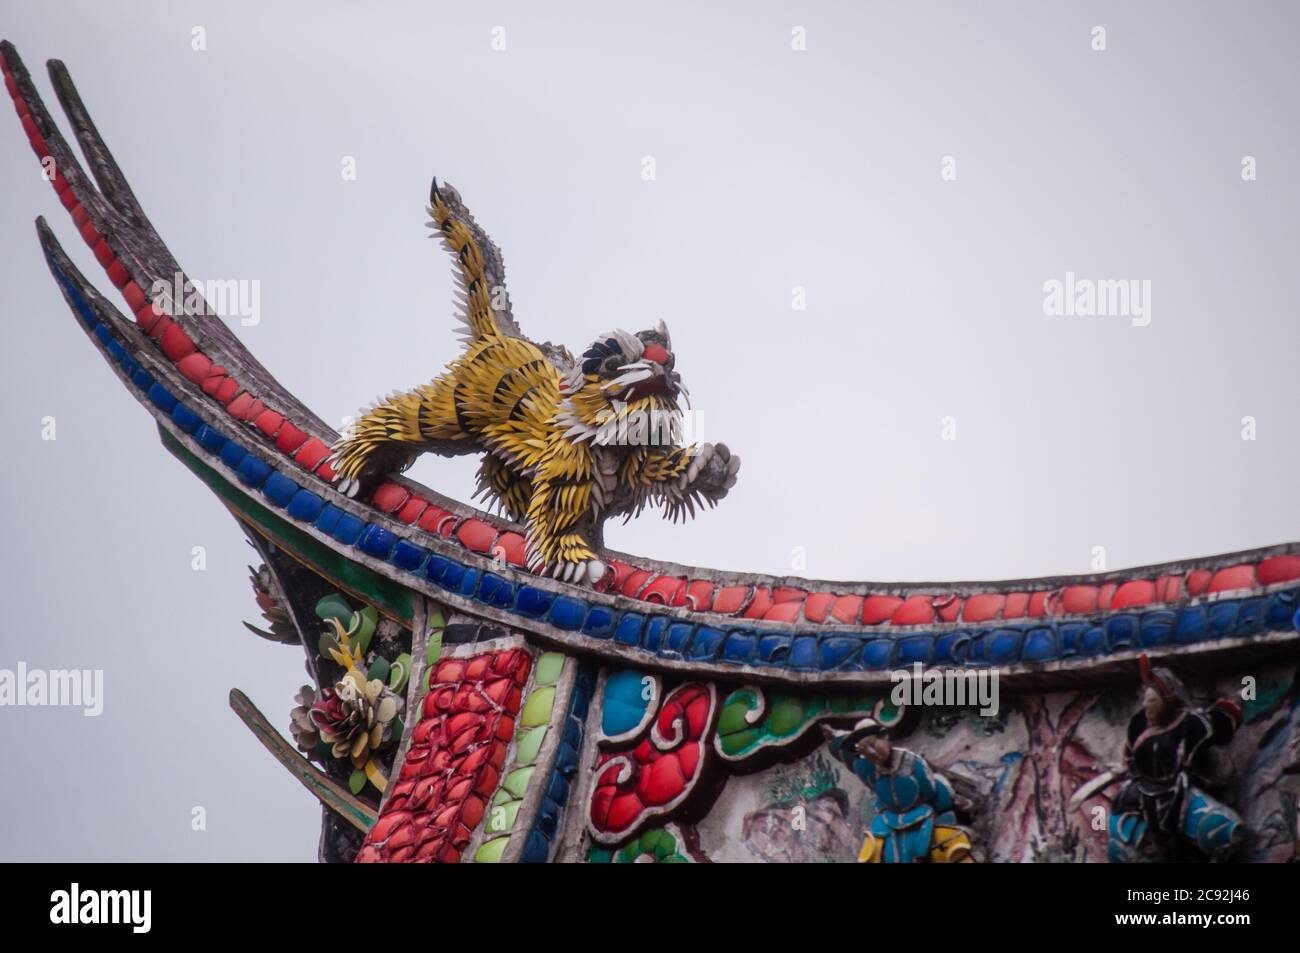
[915, 820]
[1162, 811]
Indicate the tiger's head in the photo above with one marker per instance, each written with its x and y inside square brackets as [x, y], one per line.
[623, 391]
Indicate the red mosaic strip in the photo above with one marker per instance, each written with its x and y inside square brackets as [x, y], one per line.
[787, 605]
[454, 763]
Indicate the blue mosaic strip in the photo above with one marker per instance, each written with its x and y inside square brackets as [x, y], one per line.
[668, 637]
[546, 825]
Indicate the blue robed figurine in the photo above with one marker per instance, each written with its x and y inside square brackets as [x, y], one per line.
[915, 820]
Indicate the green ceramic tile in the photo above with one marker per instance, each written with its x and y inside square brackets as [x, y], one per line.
[538, 709]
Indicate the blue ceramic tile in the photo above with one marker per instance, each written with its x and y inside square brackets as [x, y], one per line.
[533, 602]
[211, 439]
[1070, 635]
[878, 653]
[915, 648]
[1091, 641]
[252, 471]
[774, 649]
[328, 518]
[142, 379]
[468, 582]
[654, 632]
[408, 556]
[279, 489]
[185, 418]
[1004, 646]
[629, 628]
[599, 623]
[232, 454]
[803, 651]
[951, 648]
[377, 541]
[1040, 645]
[1189, 625]
[1250, 618]
[837, 651]
[1122, 631]
[306, 506]
[347, 529]
[496, 591]
[162, 398]
[738, 647]
[679, 636]
[567, 613]
[1222, 619]
[1156, 627]
[706, 643]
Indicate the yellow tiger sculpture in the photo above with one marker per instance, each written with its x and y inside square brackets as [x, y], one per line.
[565, 443]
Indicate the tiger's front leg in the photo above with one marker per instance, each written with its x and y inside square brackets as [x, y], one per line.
[683, 476]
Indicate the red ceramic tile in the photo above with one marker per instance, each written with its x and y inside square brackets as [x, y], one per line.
[195, 367]
[1198, 581]
[817, 606]
[662, 590]
[879, 609]
[917, 610]
[1105, 594]
[412, 508]
[983, 607]
[635, 580]
[103, 254]
[268, 421]
[1016, 606]
[161, 326]
[79, 216]
[847, 609]
[784, 612]
[326, 472]
[1234, 577]
[1277, 569]
[1169, 588]
[225, 391]
[1076, 600]
[390, 497]
[759, 605]
[789, 594]
[619, 571]
[67, 197]
[698, 595]
[513, 547]
[1037, 605]
[477, 535]
[90, 235]
[148, 317]
[133, 295]
[730, 599]
[311, 454]
[176, 344]
[240, 405]
[254, 411]
[1135, 592]
[948, 607]
[290, 438]
[437, 520]
[212, 384]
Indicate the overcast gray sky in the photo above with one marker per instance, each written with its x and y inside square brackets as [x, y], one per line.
[775, 168]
